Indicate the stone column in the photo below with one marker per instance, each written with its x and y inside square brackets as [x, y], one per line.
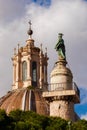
[38, 73]
[41, 72]
[18, 71]
[45, 75]
[29, 71]
[14, 73]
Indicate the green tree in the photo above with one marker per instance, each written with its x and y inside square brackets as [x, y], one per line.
[80, 125]
[4, 120]
[21, 120]
[15, 115]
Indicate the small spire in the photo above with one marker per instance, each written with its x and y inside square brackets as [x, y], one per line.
[46, 51]
[14, 51]
[18, 46]
[41, 47]
[30, 32]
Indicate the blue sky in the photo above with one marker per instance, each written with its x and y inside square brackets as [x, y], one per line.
[80, 108]
[49, 17]
[43, 2]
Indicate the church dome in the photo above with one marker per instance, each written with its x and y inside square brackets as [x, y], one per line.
[24, 99]
[29, 69]
[61, 75]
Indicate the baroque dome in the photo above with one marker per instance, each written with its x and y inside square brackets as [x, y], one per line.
[29, 69]
[24, 99]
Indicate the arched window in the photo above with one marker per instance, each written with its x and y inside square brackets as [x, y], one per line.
[24, 71]
[34, 73]
[45, 73]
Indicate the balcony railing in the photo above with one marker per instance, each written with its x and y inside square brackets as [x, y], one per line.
[63, 86]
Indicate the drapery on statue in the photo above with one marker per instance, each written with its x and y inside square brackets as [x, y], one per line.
[60, 47]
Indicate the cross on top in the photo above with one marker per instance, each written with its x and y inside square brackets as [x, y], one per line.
[30, 23]
[30, 32]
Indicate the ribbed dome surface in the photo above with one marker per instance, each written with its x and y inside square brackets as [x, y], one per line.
[24, 99]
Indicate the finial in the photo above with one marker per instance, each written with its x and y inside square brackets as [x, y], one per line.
[41, 46]
[30, 23]
[46, 51]
[30, 32]
[18, 47]
[14, 51]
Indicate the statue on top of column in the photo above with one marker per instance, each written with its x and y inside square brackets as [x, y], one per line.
[60, 47]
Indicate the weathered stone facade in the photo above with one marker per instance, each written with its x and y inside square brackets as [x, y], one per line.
[62, 109]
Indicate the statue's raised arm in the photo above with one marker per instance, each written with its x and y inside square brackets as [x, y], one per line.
[60, 47]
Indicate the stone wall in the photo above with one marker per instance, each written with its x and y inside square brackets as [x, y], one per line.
[63, 109]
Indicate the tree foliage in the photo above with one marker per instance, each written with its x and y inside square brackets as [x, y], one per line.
[21, 120]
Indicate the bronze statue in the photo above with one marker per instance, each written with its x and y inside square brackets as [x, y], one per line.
[60, 47]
